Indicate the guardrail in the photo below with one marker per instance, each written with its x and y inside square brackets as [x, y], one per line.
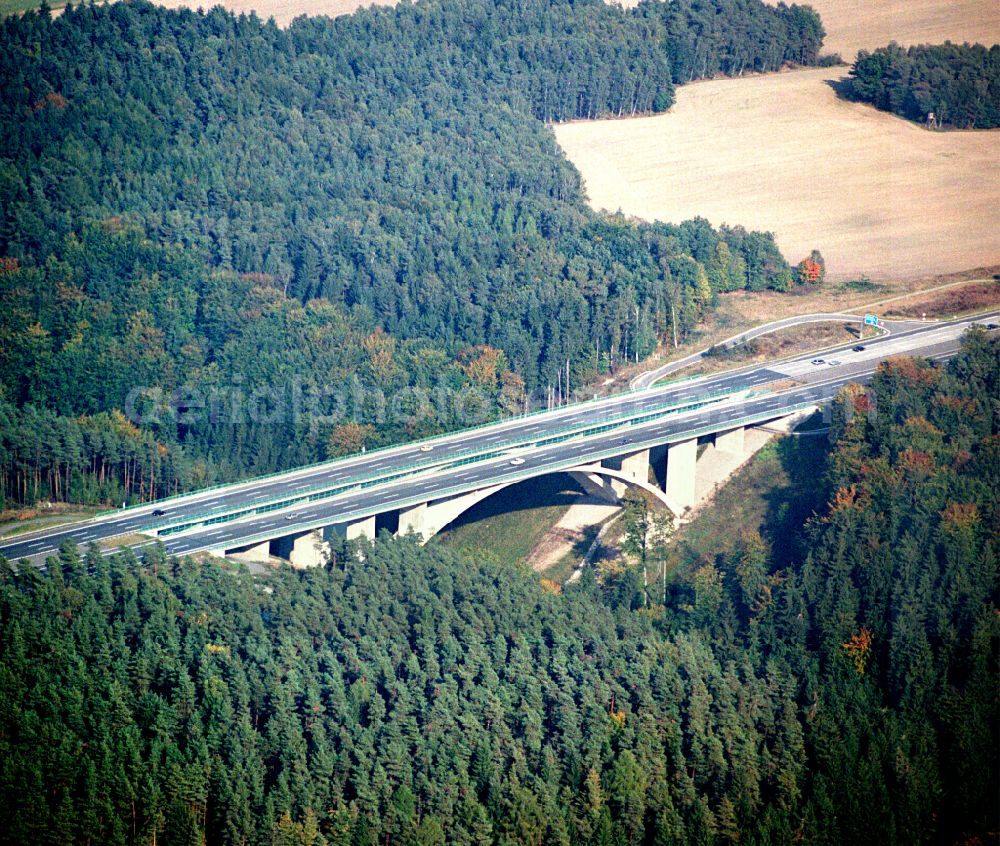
[379, 450]
[532, 472]
[510, 478]
[668, 385]
[328, 490]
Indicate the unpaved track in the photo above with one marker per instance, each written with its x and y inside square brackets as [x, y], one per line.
[782, 153]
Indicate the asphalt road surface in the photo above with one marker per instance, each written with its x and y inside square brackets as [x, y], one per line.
[440, 474]
[651, 377]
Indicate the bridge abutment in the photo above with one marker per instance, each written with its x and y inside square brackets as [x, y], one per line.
[428, 518]
[363, 528]
[595, 486]
[256, 552]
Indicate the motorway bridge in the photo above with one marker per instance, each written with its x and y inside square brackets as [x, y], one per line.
[607, 445]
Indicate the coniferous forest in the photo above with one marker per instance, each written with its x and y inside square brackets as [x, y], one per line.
[408, 696]
[958, 83]
[366, 205]
[199, 207]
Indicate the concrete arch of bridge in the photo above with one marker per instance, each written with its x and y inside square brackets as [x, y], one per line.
[429, 518]
[585, 476]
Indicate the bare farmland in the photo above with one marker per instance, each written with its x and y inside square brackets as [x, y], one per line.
[283, 11]
[853, 25]
[782, 153]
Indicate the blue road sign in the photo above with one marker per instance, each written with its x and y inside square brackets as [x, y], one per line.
[871, 320]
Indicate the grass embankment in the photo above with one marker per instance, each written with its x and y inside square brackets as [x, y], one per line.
[773, 493]
[799, 339]
[18, 521]
[508, 525]
[133, 539]
[953, 302]
[567, 565]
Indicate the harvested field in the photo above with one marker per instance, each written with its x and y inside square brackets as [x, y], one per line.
[283, 11]
[853, 25]
[782, 153]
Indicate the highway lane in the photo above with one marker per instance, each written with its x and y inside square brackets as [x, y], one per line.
[552, 458]
[452, 446]
[650, 377]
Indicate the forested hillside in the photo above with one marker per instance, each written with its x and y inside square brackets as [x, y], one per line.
[359, 206]
[412, 697]
[958, 83]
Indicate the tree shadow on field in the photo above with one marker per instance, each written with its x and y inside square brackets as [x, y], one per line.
[842, 88]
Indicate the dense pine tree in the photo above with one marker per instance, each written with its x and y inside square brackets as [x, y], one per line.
[357, 207]
[409, 696]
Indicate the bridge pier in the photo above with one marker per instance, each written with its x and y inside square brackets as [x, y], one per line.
[309, 550]
[303, 549]
[414, 519]
[682, 458]
[687, 481]
[256, 552]
[732, 441]
[633, 465]
[363, 528]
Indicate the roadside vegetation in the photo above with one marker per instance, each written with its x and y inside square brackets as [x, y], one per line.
[16, 521]
[962, 299]
[840, 688]
[771, 495]
[348, 215]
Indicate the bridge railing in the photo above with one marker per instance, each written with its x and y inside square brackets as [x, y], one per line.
[377, 451]
[351, 515]
[228, 513]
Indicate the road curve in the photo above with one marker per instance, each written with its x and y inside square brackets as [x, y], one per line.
[645, 380]
[341, 490]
